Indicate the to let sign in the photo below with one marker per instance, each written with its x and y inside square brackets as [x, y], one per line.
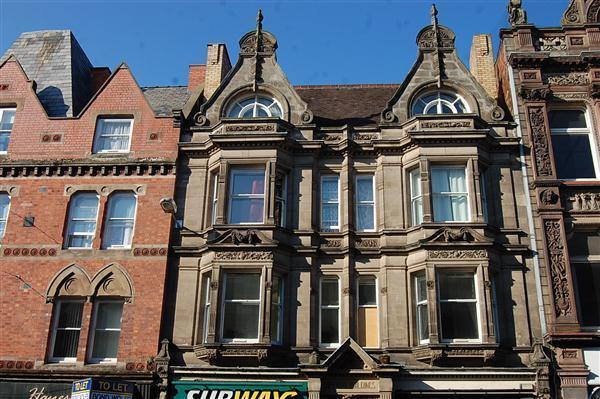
[98, 388]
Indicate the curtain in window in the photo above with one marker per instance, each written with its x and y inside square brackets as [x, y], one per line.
[329, 203]
[68, 326]
[4, 204]
[119, 220]
[247, 197]
[450, 199]
[82, 220]
[6, 123]
[365, 203]
[114, 135]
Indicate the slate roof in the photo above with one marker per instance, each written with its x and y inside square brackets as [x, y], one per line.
[60, 68]
[356, 105]
[166, 98]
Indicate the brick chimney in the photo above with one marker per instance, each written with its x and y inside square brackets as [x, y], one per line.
[217, 66]
[196, 76]
[482, 63]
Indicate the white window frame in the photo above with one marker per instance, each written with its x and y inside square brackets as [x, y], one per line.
[242, 171]
[2, 111]
[372, 203]
[56, 316]
[206, 315]
[589, 131]
[215, 198]
[255, 105]
[439, 101]
[109, 220]
[98, 134]
[575, 260]
[477, 306]
[283, 199]
[333, 228]
[5, 221]
[338, 307]
[376, 306]
[415, 198]
[69, 231]
[260, 308]
[93, 329]
[280, 308]
[434, 195]
[421, 303]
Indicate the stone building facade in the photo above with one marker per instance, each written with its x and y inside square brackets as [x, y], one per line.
[85, 157]
[353, 241]
[550, 80]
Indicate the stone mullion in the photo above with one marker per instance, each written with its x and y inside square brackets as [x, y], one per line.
[475, 200]
[215, 282]
[270, 191]
[267, 274]
[432, 308]
[560, 278]
[222, 192]
[487, 310]
[426, 191]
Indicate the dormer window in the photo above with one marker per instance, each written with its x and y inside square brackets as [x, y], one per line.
[255, 107]
[439, 102]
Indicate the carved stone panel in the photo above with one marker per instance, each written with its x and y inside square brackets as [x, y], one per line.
[540, 141]
[559, 273]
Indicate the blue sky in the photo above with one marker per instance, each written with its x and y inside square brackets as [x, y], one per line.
[320, 42]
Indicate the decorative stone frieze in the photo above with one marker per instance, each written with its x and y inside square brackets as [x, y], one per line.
[332, 244]
[582, 202]
[566, 79]
[150, 252]
[552, 43]
[458, 254]
[243, 255]
[20, 251]
[368, 243]
[445, 124]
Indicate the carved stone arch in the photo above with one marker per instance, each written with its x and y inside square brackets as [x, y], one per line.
[593, 12]
[71, 281]
[448, 86]
[264, 89]
[113, 281]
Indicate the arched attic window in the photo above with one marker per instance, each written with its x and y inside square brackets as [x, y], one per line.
[439, 102]
[256, 106]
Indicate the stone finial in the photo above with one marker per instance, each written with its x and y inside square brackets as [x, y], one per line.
[259, 19]
[434, 13]
[516, 14]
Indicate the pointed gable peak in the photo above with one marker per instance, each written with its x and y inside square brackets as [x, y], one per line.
[258, 43]
[350, 355]
[435, 36]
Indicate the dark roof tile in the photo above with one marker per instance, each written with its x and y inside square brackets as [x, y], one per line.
[167, 98]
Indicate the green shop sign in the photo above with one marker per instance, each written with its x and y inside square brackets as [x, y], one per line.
[240, 390]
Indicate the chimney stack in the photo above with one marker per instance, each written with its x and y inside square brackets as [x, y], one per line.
[217, 67]
[482, 63]
[196, 76]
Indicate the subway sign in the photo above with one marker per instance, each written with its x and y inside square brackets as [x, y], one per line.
[240, 390]
[101, 388]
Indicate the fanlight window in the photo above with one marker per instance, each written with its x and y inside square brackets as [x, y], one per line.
[439, 103]
[255, 107]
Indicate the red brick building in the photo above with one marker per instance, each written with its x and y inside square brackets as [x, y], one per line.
[85, 157]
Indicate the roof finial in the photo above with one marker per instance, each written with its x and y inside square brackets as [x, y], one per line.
[434, 13]
[259, 19]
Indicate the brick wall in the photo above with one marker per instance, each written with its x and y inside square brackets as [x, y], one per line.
[26, 251]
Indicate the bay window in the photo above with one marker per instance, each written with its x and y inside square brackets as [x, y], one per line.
[449, 192]
[458, 306]
[68, 315]
[584, 252]
[247, 196]
[113, 135]
[240, 314]
[575, 151]
[81, 228]
[105, 330]
[416, 197]
[215, 198]
[422, 315]
[4, 207]
[368, 317]
[330, 203]
[329, 315]
[206, 310]
[365, 203]
[281, 194]
[120, 218]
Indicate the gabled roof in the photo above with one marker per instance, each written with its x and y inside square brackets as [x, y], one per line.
[350, 355]
[356, 105]
[58, 65]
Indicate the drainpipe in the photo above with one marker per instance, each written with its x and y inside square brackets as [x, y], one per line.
[532, 237]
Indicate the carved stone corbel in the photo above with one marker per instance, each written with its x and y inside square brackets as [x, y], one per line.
[161, 361]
